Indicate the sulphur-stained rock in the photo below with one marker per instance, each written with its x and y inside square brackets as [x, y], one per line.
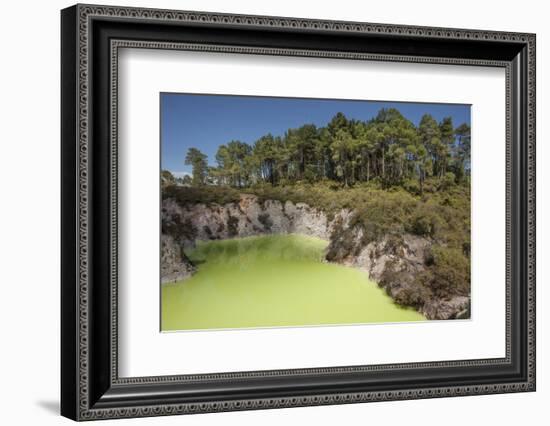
[248, 217]
[410, 250]
[174, 264]
[457, 307]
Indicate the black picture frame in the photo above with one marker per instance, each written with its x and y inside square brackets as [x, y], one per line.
[90, 386]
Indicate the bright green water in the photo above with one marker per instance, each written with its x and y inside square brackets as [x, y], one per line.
[273, 281]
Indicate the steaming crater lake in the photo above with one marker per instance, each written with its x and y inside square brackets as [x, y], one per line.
[273, 281]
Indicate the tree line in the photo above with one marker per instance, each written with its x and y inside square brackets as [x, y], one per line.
[388, 147]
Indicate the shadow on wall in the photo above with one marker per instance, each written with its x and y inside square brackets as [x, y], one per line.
[51, 407]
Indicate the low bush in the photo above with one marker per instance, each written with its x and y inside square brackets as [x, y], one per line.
[201, 194]
[448, 272]
[415, 295]
[448, 180]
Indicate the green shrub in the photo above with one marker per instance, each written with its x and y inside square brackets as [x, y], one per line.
[412, 186]
[201, 194]
[448, 272]
[448, 180]
[422, 225]
[426, 220]
[415, 295]
[402, 286]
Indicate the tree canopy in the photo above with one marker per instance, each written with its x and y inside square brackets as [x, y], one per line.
[388, 148]
[198, 161]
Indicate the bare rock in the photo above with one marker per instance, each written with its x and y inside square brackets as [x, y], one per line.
[457, 307]
[174, 264]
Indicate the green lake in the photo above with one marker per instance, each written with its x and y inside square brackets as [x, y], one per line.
[273, 281]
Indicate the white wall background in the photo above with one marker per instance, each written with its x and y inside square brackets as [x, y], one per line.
[29, 213]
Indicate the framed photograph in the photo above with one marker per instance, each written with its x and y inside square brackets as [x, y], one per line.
[263, 212]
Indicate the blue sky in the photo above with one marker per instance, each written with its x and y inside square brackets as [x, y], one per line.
[208, 121]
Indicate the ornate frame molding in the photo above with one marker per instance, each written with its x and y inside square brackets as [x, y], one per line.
[82, 17]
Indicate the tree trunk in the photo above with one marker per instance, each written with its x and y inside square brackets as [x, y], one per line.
[368, 168]
[383, 163]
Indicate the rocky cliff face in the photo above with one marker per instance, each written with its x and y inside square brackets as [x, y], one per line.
[393, 262]
[174, 264]
[248, 217]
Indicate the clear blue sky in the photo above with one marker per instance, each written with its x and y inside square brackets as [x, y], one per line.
[208, 121]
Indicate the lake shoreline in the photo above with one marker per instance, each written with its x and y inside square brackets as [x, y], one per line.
[274, 281]
[395, 262]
